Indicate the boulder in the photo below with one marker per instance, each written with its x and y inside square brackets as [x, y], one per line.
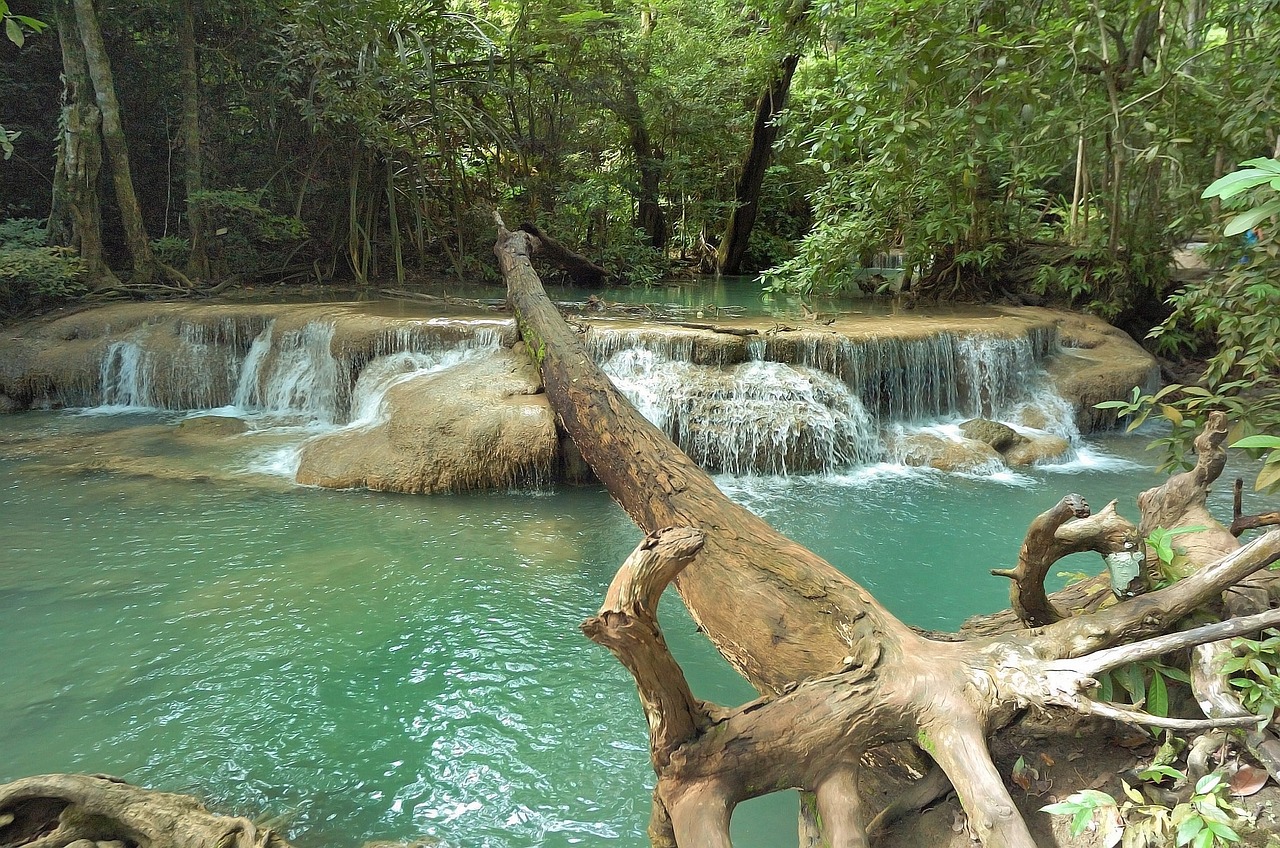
[481, 424]
[1097, 363]
[1037, 449]
[999, 436]
[928, 449]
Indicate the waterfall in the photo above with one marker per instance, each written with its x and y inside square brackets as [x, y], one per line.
[125, 381]
[820, 401]
[248, 393]
[388, 371]
[756, 417]
[302, 377]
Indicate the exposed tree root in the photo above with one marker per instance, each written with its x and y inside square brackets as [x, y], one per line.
[60, 810]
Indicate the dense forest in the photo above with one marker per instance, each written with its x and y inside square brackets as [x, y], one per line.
[1037, 151]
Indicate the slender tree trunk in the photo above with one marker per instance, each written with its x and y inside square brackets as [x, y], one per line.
[198, 262]
[746, 195]
[76, 219]
[145, 265]
[649, 214]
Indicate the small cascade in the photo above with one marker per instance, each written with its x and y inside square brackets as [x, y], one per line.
[385, 372]
[752, 418]
[302, 376]
[248, 392]
[124, 376]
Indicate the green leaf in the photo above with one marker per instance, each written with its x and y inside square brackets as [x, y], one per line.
[1208, 783]
[1223, 831]
[1232, 184]
[1267, 477]
[1157, 696]
[1259, 441]
[1188, 829]
[1203, 839]
[14, 31]
[1252, 218]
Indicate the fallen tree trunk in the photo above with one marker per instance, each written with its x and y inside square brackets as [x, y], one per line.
[780, 615]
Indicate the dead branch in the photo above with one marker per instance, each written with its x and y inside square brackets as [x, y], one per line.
[1067, 528]
[580, 269]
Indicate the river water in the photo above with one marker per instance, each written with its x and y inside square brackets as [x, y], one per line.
[374, 666]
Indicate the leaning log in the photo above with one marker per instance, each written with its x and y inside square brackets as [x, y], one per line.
[781, 615]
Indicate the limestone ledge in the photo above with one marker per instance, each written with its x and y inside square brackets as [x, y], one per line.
[487, 426]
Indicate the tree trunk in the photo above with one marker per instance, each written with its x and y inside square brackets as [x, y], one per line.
[649, 215]
[76, 215]
[841, 673]
[145, 265]
[746, 195]
[198, 262]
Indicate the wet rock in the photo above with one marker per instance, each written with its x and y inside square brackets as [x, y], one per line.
[997, 435]
[479, 425]
[1098, 362]
[8, 404]
[928, 449]
[1036, 449]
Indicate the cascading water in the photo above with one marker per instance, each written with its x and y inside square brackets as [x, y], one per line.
[755, 417]
[302, 378]
[385, 372]
[124, 375]
[827, 411]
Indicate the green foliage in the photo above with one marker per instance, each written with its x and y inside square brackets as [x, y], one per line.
[1143, 684]
[245, 237]
[171, 250]
[1009, 148]
[1237, 312]
[15, 26]
[1253, 671]
[1203, 821]
[32, 274]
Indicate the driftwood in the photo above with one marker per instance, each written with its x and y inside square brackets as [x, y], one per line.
[57, 810]
[1067, 528]
[841, 674]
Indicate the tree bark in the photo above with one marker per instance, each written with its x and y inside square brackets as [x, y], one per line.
[193, 172]
[841, 675]
[1068, 528]
[746, 195]
[76, 218]
[649, 214]
[145, 265]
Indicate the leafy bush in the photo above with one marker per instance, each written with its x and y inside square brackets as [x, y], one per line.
[171, 250]
[31, 274]
[246, 237]
[1236, 315]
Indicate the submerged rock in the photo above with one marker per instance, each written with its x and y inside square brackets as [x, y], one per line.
[1036, 449]
[480, 424]
[999, 436]
[928, 449]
